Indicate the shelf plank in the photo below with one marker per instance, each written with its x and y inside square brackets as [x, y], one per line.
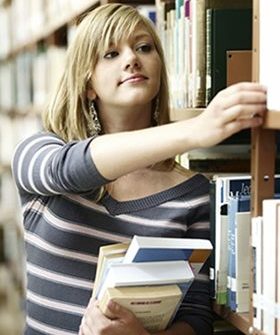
[239, 320]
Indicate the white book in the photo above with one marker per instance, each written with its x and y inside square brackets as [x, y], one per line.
[269, 51]
[242, 236]
[257, 245]
[147, 273]
[269, 264]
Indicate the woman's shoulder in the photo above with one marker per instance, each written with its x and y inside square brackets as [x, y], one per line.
[35, 141]
[40, 136]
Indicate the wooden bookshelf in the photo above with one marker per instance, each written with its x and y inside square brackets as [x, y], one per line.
[239, 320]
[62, 20]
[262, 174]
[272, 120]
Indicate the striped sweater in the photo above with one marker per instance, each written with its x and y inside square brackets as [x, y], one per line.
[64, 228]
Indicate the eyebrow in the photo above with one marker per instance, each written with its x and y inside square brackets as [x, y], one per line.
[141, 35]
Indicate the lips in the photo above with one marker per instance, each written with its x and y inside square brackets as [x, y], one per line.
[134, 78]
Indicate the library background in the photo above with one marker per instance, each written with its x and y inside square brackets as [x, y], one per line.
[209, 44]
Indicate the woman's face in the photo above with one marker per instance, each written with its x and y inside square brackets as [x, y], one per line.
[127, 74]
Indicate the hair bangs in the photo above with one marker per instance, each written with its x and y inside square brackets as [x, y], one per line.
[118, 27]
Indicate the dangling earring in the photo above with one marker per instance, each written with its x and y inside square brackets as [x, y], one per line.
[94, 125]
[156, 111]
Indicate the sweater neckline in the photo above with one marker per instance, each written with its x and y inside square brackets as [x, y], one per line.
[116, 207]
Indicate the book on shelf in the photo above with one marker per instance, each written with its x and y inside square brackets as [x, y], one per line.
[223, 187]
[269, 70]
[239, 223]
[132, 285]
[270, 266]
[198, 51]
[227, 29]
[151, 249]
[150, 276]
[257, 247]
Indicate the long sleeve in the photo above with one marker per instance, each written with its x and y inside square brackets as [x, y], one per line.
[46, 165]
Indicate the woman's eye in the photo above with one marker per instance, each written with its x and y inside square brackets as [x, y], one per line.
[111, 54]
[145, 48]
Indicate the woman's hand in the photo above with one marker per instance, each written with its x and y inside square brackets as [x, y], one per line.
[120, 321]
[237, 107]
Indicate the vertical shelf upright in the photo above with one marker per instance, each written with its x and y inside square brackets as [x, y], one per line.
[263, 153]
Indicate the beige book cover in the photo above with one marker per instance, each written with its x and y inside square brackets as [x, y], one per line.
[154, 306]
[108, 254]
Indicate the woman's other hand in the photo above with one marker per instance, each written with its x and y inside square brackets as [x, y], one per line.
[119, 321]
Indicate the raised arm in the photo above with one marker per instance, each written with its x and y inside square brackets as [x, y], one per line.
[229, 112]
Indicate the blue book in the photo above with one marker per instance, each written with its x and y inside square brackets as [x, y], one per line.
[151, 249]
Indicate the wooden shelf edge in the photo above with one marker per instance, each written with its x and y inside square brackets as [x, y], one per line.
[179, 114]
[239, 320]
[272, 120]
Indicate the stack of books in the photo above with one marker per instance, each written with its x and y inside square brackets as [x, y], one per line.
[149, 276]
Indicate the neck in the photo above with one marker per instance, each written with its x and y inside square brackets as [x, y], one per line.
[118, 120]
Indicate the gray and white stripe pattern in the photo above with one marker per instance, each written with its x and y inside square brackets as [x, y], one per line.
[64, 229]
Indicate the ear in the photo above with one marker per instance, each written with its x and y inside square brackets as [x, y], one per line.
[91, 95]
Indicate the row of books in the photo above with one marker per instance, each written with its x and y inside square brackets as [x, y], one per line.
[231, 231]
[28, 79]
[201, 38]
[43, 16]
[149, 276]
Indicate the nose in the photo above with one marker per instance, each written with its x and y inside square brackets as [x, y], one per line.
[131, 59]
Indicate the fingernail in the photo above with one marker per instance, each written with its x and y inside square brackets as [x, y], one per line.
[112, 305]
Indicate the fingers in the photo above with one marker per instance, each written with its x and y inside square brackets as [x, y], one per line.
[244, 86]
[84, 328]
[244, 112]
[239, 124]
[239, 101]
[245, 98]
[115, 311]
[93, 319]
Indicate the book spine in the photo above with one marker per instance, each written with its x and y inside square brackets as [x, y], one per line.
[256, 224]
[212, 194]
[198, 52]
[208, 56]
[222, 264]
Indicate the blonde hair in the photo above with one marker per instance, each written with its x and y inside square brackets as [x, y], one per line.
[67, 114]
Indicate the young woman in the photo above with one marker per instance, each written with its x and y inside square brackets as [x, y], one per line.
[104, 170]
